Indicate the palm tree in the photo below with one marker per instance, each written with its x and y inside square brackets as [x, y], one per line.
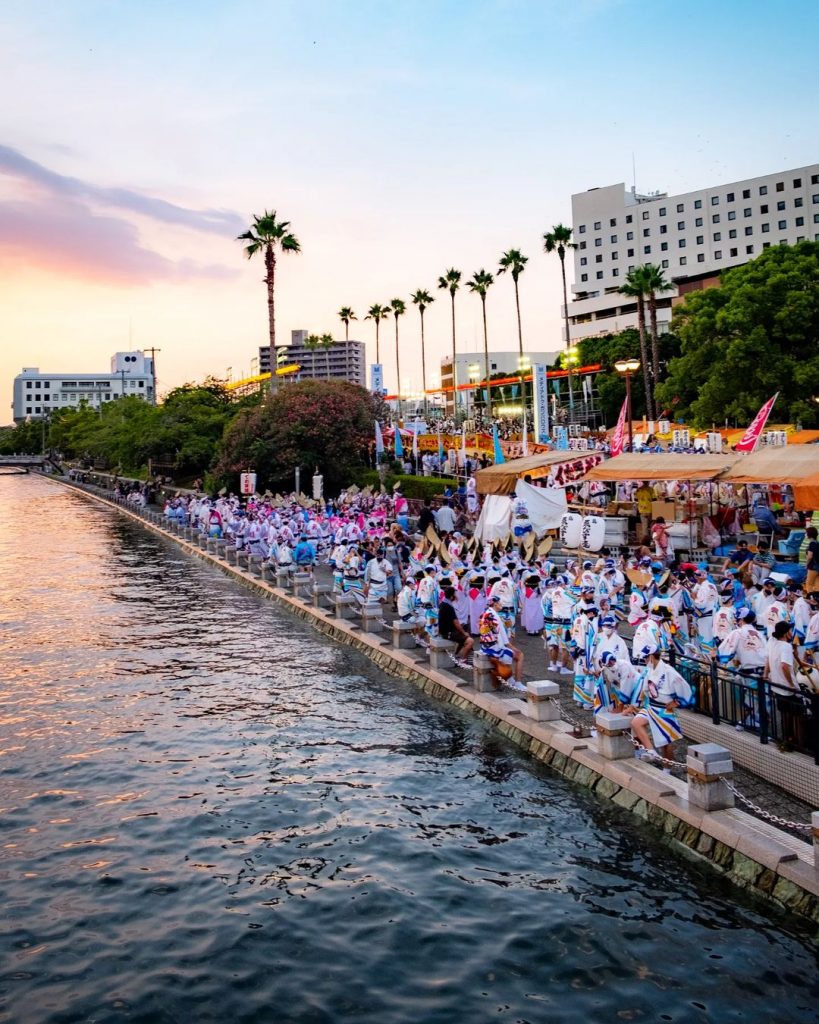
[377, 313]
[480, 282]
[635, 287]
[655, 281]
[345, 315]
[398, 308]
[451, 281]
[264, 235]
[327, 341]
[312, 341]
[558, 240]
[422, 299]
[515, 262]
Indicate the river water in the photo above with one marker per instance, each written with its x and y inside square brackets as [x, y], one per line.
[208, 813]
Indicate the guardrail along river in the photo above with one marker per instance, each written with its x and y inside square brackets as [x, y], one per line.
[211, 813]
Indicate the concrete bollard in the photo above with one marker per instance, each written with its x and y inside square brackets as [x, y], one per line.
[321, 591]
[439, 652]
[345, 606]
[540, 694]
[482, 674]
[243, 560]
[403, 638]
[614, 736]
[231, 555]
[372, 616]
[302, 585]
[709, 766]
[814, 820]
[284, 577]
[210, 545]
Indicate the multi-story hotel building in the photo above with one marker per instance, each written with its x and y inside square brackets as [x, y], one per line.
[693, 237]
[343, 360]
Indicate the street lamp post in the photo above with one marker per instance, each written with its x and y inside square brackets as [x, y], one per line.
[627, 367]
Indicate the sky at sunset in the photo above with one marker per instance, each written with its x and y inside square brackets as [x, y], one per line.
[398, 139]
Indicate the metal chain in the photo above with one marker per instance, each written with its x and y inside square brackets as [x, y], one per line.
[797, 826]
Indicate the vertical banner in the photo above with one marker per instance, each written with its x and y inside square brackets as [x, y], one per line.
[750, 439]
[541, 402]
[377, 378]
[561, 439]
[379, 439]
[618, 437]
[496, 446]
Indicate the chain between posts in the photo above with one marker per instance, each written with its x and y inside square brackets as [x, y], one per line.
[797, 826]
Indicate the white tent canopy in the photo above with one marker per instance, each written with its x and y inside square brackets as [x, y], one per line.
[545, 505]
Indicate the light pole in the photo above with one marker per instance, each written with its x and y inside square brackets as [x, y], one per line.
[627, 367]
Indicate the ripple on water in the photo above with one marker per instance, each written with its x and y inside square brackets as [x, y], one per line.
[210, 813]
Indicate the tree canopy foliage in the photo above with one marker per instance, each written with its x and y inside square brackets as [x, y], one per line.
[328, 424]
[755, 335]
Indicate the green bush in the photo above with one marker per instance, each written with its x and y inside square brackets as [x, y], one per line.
[420, 486]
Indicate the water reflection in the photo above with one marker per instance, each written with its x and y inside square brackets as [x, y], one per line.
[202, 802]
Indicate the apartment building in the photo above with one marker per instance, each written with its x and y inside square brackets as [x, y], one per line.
[343, 360]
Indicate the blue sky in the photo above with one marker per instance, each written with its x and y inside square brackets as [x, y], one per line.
[398, 138]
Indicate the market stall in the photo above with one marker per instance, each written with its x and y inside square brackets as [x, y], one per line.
[567, 465]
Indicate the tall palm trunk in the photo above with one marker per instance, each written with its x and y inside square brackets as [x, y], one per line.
[641, 325]
[454, 381]
[270, 280]
[562, 254]
[423, 365]
[486, 359]
[397, 370]
[377, 343]
[655, 346]
[520, 347]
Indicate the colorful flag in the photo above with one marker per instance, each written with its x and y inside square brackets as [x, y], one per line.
[499, 457]
[618, 437]
[399, 445]
[440, 449]
[750, 439]
[379, 439]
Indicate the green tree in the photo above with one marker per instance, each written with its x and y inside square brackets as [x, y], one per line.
[515, 262]
[265, 235]
[398, 308]
[313, 342]
[559, 240]
[479, 284]
[635, 286]
[377, 313]
[422, 299]
[321, 423]
[655, 282]
[450, 280]
[755, 335]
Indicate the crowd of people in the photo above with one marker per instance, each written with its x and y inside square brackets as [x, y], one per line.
[617, 624]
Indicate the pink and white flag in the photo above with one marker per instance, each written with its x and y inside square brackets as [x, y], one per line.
[750, 439]
[618, 437]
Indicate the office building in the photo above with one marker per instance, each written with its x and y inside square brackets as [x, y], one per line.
[343, 360]
[692, 237]
[469, 368]
[38, 394]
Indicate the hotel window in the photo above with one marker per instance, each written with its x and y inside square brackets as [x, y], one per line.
[766, 245]
[749, 250]
[683, 260]
[646, 232]
[732, 215]
[733, 253]
[681, 243]
[797, 201]
[598, 258]
[780, 205]
[645, 214]
[663, 246]
[665, 264]
[800, 221]
[814, 179]
[718, 254]
[36, 408]
[766, 228]
[717, 236]
[37, 383]
[783, 224]
[732, 233]
[746, 212]
[749, 230]
[28, 410]
[797, 183]
[780, 186]
[629, 218]
[630, 253]
[647, 250]
[763, 190]
[597, 225]
[715, 218]
[700, 257]
[697, 204]
[715, 200]
[700, 239]
[631, 268]
[681, 225]
[629, 235]
[582, 229]
[763, 208]
[680, 207]
[663, 229]
[730, 197]
[615, 272]
[599, 275]
[746, 193]
[584, 277]
[613, 239]
[662, 211]
[615, 255]
[613, 222]
[815, 199]
[598, 242]
[28, 384]
[583, 261]
[582, 245]
[698, 222]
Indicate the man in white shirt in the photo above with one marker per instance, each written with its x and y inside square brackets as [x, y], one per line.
[779, 657]
[445, 518]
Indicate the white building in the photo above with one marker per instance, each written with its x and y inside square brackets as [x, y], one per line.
[692, 236]
[469, 369]
[38, 394]
[343, 360]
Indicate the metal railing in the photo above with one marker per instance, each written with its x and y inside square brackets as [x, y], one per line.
[789, 718]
